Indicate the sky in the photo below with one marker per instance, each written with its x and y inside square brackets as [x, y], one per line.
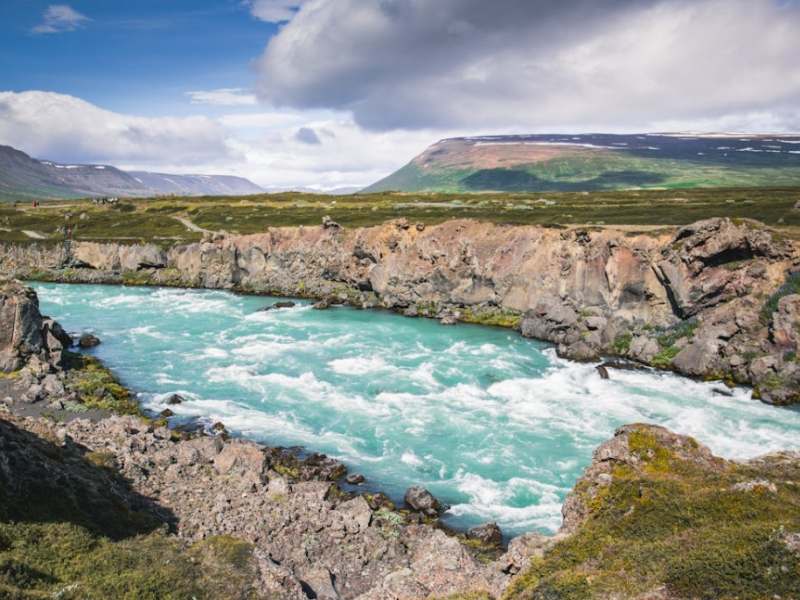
[340, 93]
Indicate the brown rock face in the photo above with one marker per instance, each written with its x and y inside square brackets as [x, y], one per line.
[689, 301]
[20, 325]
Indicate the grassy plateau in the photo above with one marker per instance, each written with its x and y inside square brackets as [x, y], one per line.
[158, 219]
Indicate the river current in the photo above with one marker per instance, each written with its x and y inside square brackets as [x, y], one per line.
[494, 425]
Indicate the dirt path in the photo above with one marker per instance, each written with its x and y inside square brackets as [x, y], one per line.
[192, 226]
[33, 234]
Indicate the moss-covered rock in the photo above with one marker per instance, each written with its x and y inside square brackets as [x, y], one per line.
[657, 511]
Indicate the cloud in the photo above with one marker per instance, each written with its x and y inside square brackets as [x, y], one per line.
[346, 156]
[64, 128]
[308, 136]
[59, 18]
[270, 149]
[274, 11]
[223, 97]
[539, 66]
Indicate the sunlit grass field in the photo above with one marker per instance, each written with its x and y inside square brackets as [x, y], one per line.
[157, 219]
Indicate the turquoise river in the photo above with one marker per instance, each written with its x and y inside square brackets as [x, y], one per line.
[494, 425]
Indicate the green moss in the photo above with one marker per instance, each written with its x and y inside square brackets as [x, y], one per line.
[679, 523]
[500, 317]
[98, 387]
[137, 278]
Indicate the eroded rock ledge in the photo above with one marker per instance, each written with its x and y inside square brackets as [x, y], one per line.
[715, 299]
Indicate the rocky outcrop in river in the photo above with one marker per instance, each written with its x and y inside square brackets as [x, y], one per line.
[715, 299]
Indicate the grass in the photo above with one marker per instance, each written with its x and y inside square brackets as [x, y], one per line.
[673, 522]
[152, 220]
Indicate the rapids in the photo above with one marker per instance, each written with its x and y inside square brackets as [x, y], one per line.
[496, 426]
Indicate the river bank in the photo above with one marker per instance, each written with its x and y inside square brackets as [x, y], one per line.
[244, 524]
[716, 299]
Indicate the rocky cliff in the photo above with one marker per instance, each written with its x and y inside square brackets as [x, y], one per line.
[715, 299]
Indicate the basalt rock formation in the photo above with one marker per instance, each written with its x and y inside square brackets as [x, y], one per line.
[716, 299]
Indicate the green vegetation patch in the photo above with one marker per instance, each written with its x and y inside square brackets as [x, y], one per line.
[98, 388]
[65, 561]
[501, 317]
[702, 531]
[156, 220]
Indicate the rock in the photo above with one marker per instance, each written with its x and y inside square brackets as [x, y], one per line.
[322, 304]
[756, 485]
[318, 583]
[643, 348]
[551, 319]
[354, 478]
[20, 325]
[166, 413]
[420, 499]
[524, 547]
[175, 399]
[242, 457]
[379, 501]
[602, 371]
[785, 325]
[87, 340]
[277, 306]
[329, 223]
[411, 311]
[488, 533]
[578, 351]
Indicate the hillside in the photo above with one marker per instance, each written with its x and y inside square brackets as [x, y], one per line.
[558, 163]
[26, 178]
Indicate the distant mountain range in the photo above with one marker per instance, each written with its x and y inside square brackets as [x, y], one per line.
[26, 178]
[552, 163]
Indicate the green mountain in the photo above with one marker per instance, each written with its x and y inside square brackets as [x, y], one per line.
[25, 178]
[560, 163]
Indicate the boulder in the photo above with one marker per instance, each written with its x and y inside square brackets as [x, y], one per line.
[242, 457]
[420, 499]
[277, 305]
[354, 478]
[87, 340]
[488, 533]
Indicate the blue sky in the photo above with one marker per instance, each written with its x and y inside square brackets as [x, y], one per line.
[130, 56]
[330, 93]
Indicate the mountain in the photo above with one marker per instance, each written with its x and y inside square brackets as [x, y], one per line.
[553, 163]
[23, 178]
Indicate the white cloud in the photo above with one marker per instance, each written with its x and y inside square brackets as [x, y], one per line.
[62, 127]
[224, 97]
[536, 66]
[59, 18]
[270, 149]
[347, 155]
[274, 11]
[263, 120]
